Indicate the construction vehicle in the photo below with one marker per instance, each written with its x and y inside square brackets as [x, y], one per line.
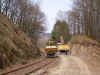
[51, 49]
[63, 48]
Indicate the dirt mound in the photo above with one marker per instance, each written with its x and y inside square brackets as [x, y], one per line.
[87, 49]
[14, 44]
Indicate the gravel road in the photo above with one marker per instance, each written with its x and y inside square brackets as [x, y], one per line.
[69, 65]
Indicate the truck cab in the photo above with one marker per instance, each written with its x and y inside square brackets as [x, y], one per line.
[51, 49]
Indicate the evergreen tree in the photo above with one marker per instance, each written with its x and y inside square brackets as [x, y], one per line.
[61, 29]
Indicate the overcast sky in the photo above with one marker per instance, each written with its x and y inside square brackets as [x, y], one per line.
[52, 7]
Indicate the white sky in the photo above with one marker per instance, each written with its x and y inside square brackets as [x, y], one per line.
[52, 7]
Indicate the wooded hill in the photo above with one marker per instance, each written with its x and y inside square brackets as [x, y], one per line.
[15, 45]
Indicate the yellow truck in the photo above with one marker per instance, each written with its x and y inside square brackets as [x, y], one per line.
[63, 48]
[51, 49]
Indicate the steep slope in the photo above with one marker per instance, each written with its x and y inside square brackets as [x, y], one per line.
[14, 44]
[87, 49]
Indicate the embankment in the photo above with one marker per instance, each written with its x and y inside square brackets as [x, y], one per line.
[15, 45]
[88, 50]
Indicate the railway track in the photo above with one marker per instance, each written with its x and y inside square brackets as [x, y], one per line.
[43, 68]
[30, 68]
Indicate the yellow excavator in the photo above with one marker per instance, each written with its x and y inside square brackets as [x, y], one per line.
[63, 48]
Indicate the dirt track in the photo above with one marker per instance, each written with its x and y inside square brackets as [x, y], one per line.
[69, 65]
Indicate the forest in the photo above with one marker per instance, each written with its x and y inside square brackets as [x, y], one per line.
[25, 14]
[21, 23]
[83, 19]
[27, 17]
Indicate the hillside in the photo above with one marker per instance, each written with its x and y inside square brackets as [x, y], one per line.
[87, 49]
[15, 46]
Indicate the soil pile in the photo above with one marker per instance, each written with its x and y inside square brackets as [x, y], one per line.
[14, 44]
[87, 49]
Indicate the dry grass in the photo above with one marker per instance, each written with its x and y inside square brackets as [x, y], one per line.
[14, 44]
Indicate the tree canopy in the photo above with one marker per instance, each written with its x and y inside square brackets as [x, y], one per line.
[61, 29]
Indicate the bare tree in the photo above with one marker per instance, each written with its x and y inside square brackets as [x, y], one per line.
[0, 5]
[84, 18]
